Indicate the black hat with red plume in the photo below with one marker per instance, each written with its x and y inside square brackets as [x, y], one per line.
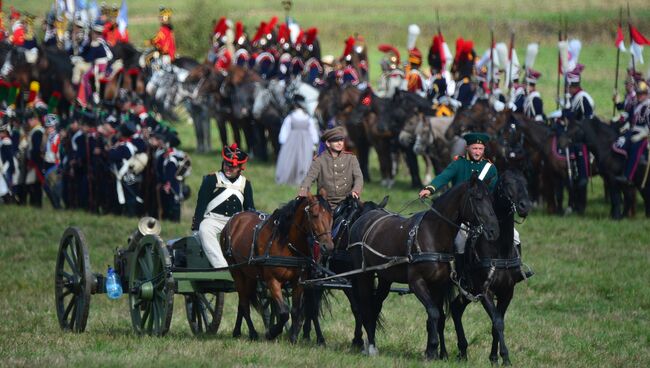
[233, 156]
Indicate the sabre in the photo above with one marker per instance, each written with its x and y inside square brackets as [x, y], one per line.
[568, 166]
[618, 58]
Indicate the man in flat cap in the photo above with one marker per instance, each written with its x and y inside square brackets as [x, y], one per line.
[335, 170]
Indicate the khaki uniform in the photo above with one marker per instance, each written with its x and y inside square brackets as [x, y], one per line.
[338, 176]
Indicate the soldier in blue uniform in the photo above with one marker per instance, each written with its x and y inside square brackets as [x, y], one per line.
[34, 170]
[579, 104]
[121, 157]
[533, 106]
[222, 194]
[635, 140]
[170, 189]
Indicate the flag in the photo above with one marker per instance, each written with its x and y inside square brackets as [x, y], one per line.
[123, 18]
[82, 99]
[637, 43]
[93, 11]
[620, 44]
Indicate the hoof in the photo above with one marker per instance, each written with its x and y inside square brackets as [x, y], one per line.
[371, 351]
[461, 357]
[357, 343]
[293, 340]
[268, 336]
[306, 338]
[506, 361]
[236, 334]
[320, 342]
[253, 336]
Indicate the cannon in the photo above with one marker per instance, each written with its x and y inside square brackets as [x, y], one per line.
[151, 272]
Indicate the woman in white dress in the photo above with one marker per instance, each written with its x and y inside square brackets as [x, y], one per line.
[298, 137]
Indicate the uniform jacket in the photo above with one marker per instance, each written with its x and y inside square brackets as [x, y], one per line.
[164, 41]
[534, 107]
[338, 176]
[228, 208]
[460, 171]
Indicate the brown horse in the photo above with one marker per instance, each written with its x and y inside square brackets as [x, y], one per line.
[277, 250]
[417, 251]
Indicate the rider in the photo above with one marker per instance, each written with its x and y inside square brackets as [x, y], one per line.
[221, 195]
[164, 41]
[334, 170]
[533, 104]
[636, 139]
[392, 75]
[460, 171]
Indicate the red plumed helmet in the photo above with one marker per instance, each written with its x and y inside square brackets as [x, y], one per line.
[386, 48]
[271, 25]
[239, 31]
[260, 32]
[310, 36]
[234, 156]
[349, 45]
[221, 27]
[284, 36]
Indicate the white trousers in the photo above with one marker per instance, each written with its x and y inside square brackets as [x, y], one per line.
[209, 232]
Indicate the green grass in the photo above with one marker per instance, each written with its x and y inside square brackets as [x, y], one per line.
[588, 305]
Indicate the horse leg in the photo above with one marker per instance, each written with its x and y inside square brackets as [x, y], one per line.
[457, 307]
[497, 315]
[275, 289]
[441, 330]
[362, 287]
[412, 163]
[245, 289]
[297, 310]
[357, 340]
[421, 291]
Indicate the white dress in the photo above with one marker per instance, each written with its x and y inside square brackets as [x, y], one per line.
[298, 136]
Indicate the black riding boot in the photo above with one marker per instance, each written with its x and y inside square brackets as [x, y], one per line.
[529, 272]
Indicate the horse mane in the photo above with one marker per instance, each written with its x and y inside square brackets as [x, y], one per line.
[283, 216]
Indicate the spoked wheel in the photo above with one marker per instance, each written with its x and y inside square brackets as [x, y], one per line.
[72, 281]
[151, 287]
[204, 312]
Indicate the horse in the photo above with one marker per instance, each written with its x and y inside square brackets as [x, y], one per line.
[417, 251]
[427, 138]
[54, 75]
[339, 261]
[600, 138]
[540, 139]
[494, 267]
[382, 120]
[277, 250]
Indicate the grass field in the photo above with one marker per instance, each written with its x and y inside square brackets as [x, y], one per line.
[588, 305]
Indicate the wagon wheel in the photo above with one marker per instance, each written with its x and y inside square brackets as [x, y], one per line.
[151, 287]
[72, 281]
[268, 310]
[204, 312]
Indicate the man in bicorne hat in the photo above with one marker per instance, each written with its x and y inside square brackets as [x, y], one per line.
[335, 170]
[222, 194]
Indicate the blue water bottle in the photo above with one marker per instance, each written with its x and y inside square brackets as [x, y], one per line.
[113, 285]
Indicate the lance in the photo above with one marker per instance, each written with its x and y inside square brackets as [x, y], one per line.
[512, 46]
[491, 70]
[559, 68]
[629, 27]
[618, 58]
[438, 20]
[564, 72]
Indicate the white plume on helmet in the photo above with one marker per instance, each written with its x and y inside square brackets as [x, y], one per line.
[414, 32]
[531, 54]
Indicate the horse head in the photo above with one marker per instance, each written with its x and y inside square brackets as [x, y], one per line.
[320, 218]
[512, 190]
[476, 208]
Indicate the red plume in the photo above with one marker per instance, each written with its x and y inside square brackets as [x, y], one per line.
[271, 25]
[389, 48]
[260, 32]
[239, 30]
[349, 44]
[283, 33]
[221, 27]
[311, 36]
[234, 146]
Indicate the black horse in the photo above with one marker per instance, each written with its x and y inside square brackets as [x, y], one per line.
[340, 261]
[417, 251]
[495, 266]
[599, 138]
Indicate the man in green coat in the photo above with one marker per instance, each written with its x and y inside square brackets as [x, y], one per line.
[462, 168]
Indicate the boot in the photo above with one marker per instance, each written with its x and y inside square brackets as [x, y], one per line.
[529, 272]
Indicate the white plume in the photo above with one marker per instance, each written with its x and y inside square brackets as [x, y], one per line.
[414, 32]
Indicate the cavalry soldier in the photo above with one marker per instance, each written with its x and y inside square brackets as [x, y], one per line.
[463, 68]
[628, 104]
[636, 139]
[435, 58]
[334, 170]
[533, 105]
[111, 32]
[348, 75]
[579, 104]
[50, 36]
[164, 41]
[96, 56]
[416, 81]
[392, 76]
[221, 195]
[518, 92]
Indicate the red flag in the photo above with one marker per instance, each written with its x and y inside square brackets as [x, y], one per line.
[620, 44]
[637, 37]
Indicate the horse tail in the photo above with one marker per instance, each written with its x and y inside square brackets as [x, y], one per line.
[316, 303]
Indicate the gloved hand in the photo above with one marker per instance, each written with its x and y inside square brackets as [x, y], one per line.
[639, 133]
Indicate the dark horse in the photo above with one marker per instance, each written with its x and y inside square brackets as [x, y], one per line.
[599, 138]
[495, 266]
[340, 261]
[275, 250]
[417, 251]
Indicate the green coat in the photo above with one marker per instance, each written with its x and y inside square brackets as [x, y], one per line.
[460, 171]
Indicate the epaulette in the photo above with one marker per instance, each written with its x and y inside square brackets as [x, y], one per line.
[458, 157]
[465, 80]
